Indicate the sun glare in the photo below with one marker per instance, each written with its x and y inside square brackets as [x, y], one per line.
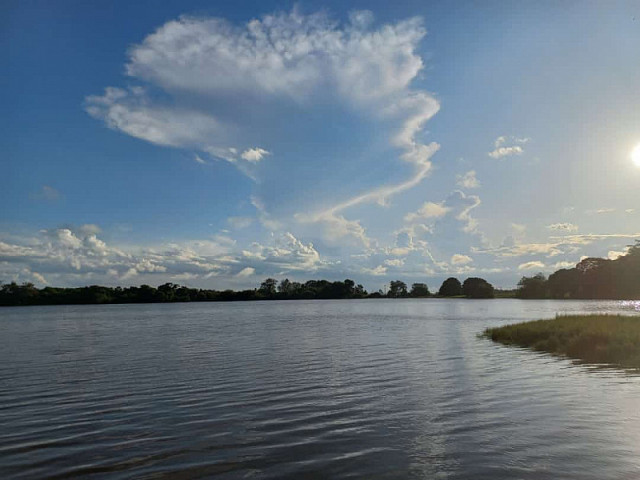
[635, 155]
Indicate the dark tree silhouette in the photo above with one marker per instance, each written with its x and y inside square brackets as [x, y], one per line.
[397, 289]
[419, 290]
[474, 287]
[451, 287]
[268, 287]
[285, 287]
[532, 287]
[591, 278]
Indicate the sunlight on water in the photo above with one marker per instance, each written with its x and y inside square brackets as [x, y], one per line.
[631, 304]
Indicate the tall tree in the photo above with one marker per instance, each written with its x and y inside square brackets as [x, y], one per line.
[397, 289]
[419, 290]
[475, 287]
[268, 287]
[451, 287]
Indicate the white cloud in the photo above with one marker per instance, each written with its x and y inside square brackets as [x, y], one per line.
[376, 272]
[287, 253]
[600, 211]
[563, 265]
[531, 265]
[132, 112]
[278, 58]
[566, 227]
[282, 56]
[517, 250]
[506, 151]
[254, 155]
[246, 272]
[396, 262]
[90, 229]
[467, 203]
[591, 237]
[459, 259]
[39, 278]
[613, 254]
[468, 180]
[500, 150]
[428, 210]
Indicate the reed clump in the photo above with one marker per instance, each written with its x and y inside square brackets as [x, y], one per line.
[601, 339]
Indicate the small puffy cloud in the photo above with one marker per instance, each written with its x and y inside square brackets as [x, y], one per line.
[396, 262]
[501, 149]
[459, 259]
[376, 272]
[287, 254]
[506, 151]
[254, 155]
[535, 265]
[246, 272]
[630, 211]
[468, 180]
[563, 227]
[428, 210]
[199, 159]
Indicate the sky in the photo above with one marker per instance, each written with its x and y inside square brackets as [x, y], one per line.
[215, 144]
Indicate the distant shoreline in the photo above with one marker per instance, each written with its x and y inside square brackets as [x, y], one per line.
[432, 297]
[12, 294]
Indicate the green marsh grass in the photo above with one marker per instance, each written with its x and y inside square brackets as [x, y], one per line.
[600, 339]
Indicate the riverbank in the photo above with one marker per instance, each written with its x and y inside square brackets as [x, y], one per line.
[603, 339]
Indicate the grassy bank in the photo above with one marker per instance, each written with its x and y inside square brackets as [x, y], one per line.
[610, 339]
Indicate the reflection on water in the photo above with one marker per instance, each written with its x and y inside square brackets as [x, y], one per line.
[317, 389]
[631, 305]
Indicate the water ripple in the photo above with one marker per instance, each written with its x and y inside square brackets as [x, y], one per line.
[371, 389]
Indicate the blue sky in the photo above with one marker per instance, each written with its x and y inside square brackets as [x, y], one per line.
[215, 144]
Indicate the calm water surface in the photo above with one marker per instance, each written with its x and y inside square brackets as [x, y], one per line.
[306, 389]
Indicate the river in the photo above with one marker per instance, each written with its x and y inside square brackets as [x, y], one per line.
[306, 389]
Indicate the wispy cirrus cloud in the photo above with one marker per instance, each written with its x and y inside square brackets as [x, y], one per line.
[534, 265]
[563, 227]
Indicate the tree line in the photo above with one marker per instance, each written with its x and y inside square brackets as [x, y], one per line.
[591, 278]
[13, 294]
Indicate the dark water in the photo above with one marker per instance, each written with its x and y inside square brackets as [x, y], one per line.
[318, 389]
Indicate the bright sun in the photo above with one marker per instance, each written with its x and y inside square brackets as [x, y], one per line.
[635, 155]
